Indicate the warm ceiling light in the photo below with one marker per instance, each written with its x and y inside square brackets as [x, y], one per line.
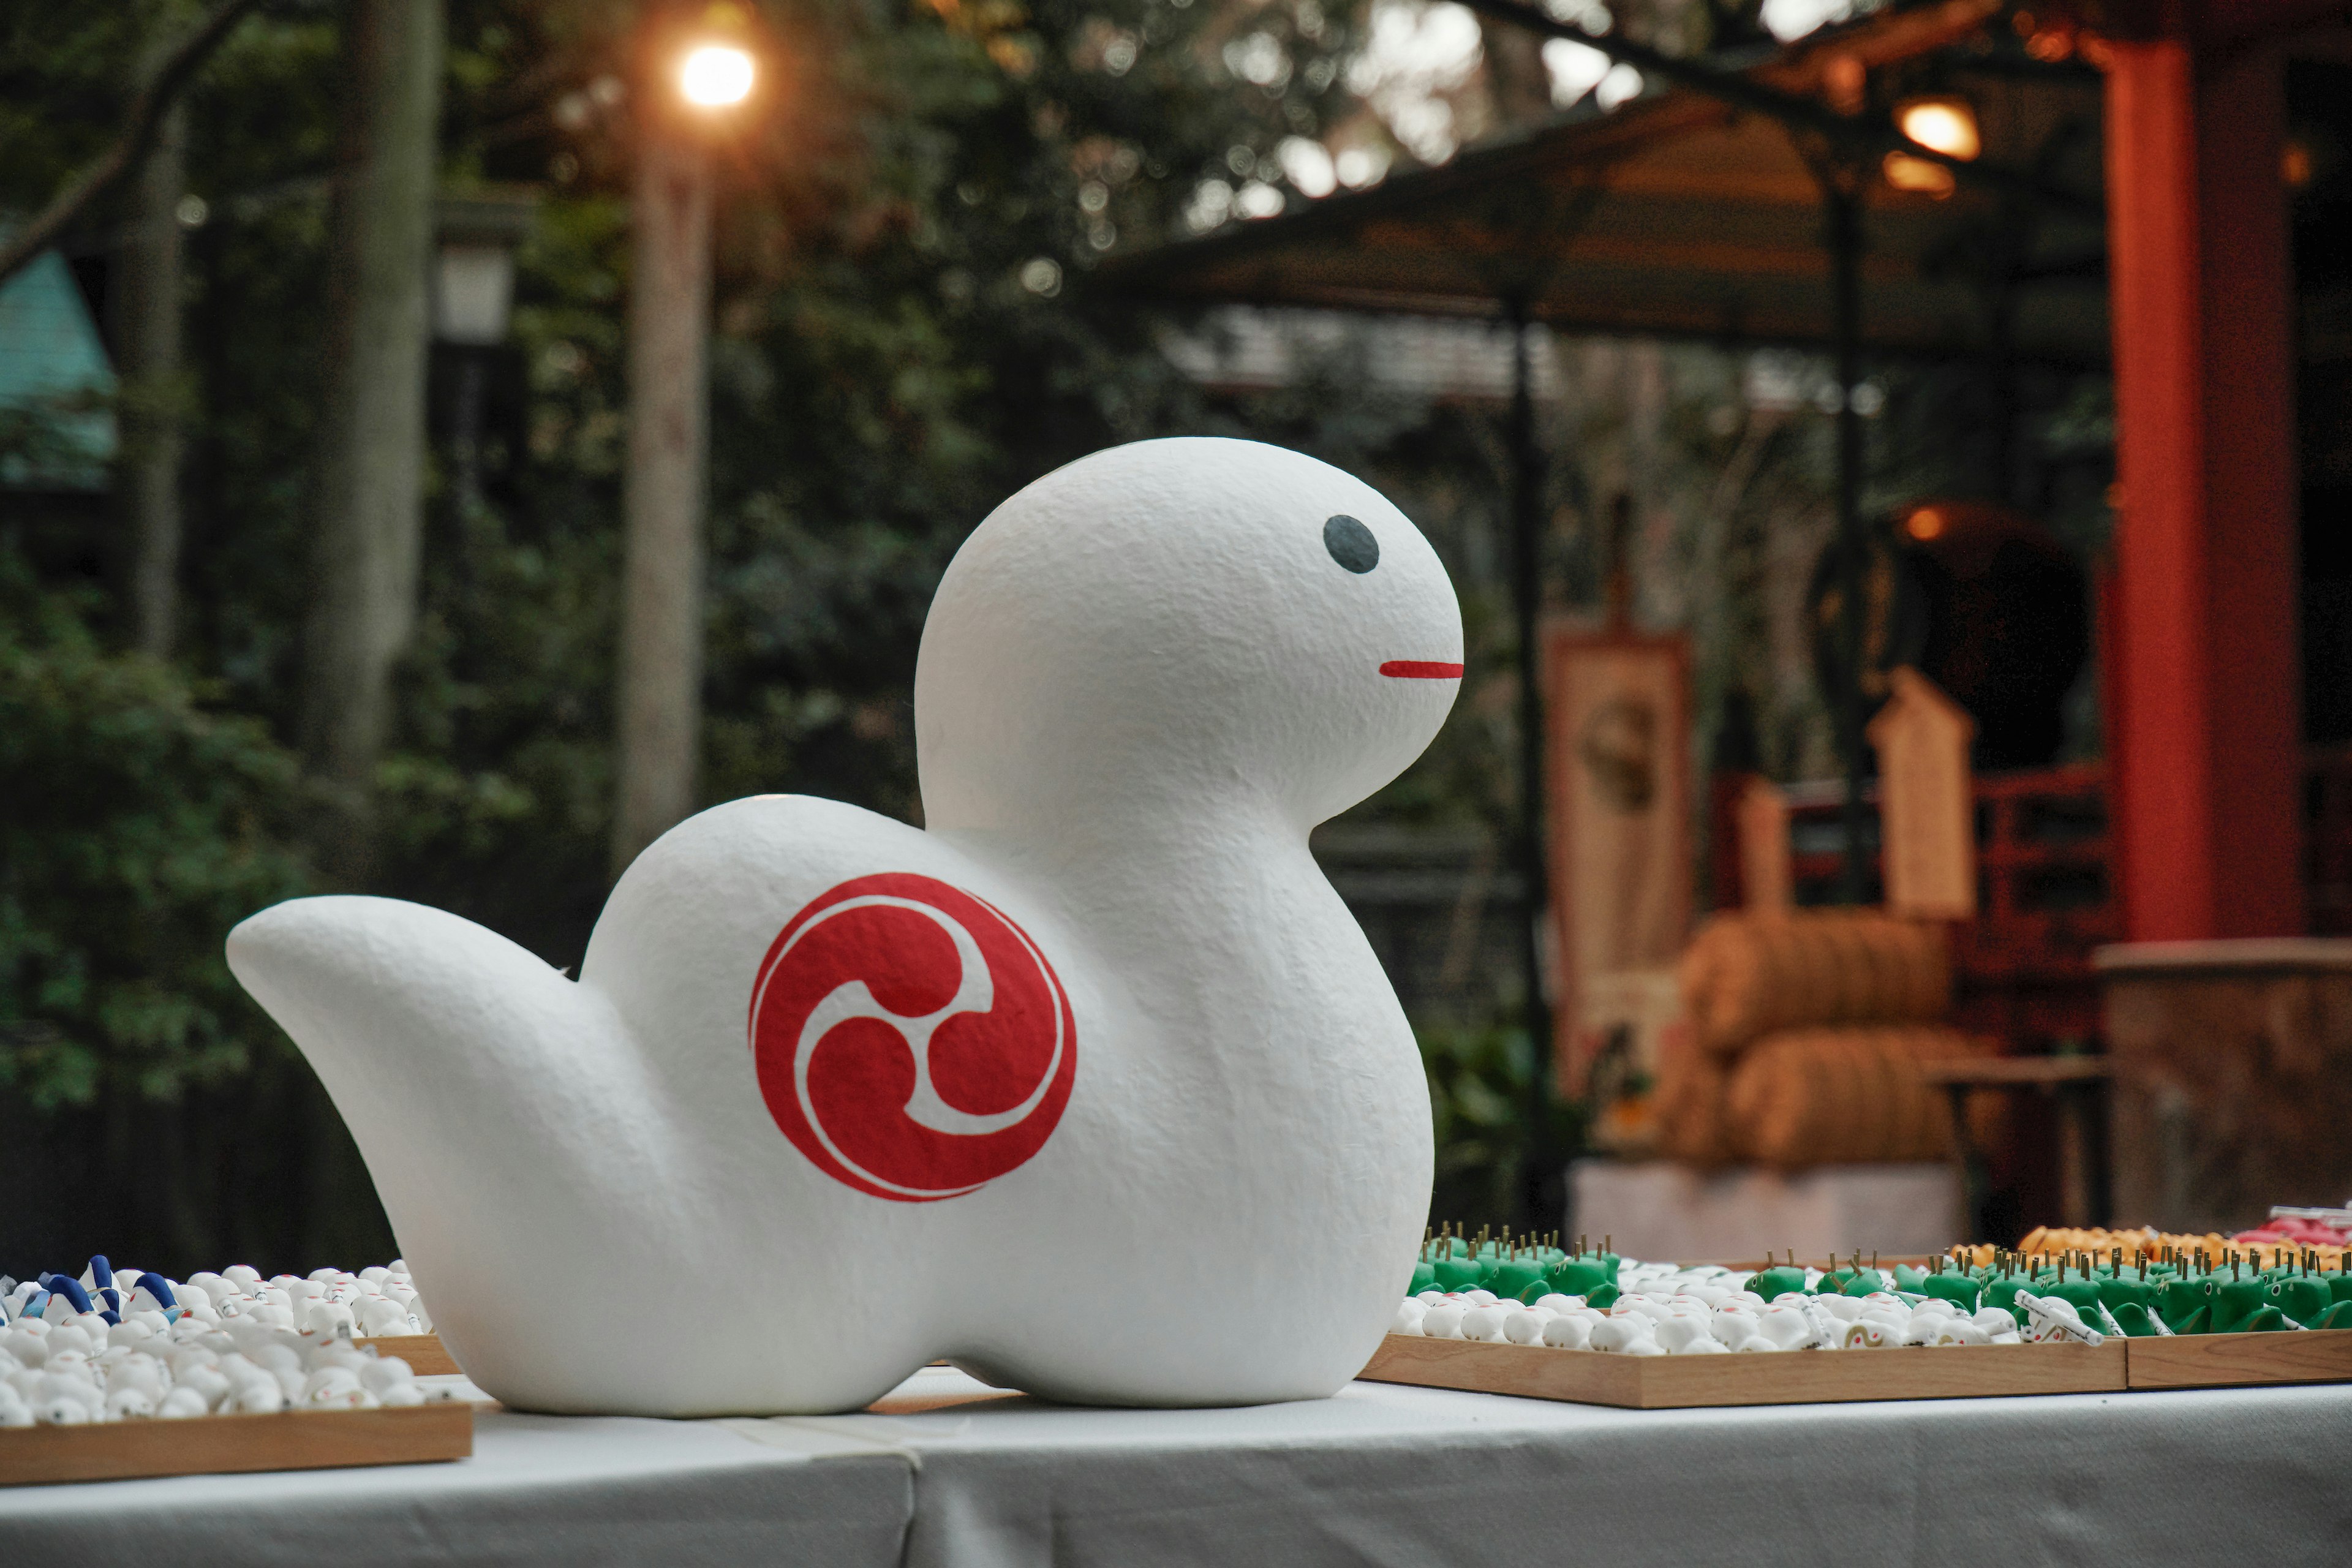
[2050, 45]
[1906, 173]
[1946, 125]
[1925, 523]
[716, 76]
[2294, 164]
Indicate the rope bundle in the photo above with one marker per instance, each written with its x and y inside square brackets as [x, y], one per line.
[1747, 974]
[1806, 1032]
[1842, 1096]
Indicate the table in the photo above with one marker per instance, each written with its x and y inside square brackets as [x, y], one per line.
[2078, 1082]
[540, 1489]
[952, 1474]
[1393, 1475]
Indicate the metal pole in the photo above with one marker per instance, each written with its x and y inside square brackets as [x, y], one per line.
[1541, 1197]
[1843, 197]
[466, 449]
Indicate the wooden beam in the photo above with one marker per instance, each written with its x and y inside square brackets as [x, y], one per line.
[1714, 260]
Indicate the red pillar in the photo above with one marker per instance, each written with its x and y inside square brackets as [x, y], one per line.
[2205, 738]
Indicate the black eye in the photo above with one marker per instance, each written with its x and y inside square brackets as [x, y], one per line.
[1351, 544]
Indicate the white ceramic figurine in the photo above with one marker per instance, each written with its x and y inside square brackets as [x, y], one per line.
[1026, 1089]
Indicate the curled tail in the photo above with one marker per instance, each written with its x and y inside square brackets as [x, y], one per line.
[501, 1107]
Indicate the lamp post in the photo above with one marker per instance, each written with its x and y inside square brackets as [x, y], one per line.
[697, 81]
[473, 297]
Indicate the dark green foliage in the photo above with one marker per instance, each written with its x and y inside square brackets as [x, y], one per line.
[904, 334]
[139, 827]
[1479, 1083]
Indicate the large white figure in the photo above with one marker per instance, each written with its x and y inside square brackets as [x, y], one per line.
[1092, 1086]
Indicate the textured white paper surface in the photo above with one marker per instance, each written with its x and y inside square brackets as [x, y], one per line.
[1144, 679]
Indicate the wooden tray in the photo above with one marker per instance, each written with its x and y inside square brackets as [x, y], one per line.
[425, 1356]
[1793, 1377]
[2241, 1361]
[220, 1444]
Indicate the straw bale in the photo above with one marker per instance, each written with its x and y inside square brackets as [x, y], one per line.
[1689, 1103]
[1749, 972]
[1851, 1095]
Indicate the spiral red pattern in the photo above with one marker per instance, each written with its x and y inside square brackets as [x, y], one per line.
[912, 1040]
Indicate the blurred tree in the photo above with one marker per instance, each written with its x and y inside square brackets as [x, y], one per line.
[371, 462]
[167, 75]
[147, 305]
[658, 704]
[139, 827]
[903, 336]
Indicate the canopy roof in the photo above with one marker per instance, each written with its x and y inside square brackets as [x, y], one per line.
[1679, 216]
[53, 367]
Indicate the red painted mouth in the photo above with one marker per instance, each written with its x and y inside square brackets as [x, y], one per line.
[1421, 669]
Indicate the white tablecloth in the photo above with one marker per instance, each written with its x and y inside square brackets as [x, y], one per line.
[540, 1489]
[1381, 1474]
[1386, 1474]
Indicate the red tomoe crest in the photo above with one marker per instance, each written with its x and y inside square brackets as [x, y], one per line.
[910, 1039]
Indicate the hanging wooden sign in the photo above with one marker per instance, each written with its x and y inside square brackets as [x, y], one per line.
[1926, 814]
[1765, 880]
[1617, 776]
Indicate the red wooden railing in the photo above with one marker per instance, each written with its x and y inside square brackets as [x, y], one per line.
[2044, 894]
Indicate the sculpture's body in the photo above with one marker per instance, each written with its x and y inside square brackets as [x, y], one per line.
[1164, 1068]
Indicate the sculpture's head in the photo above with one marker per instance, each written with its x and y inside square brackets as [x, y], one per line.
[1180, 617]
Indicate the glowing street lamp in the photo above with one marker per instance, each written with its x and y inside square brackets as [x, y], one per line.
[477, 234]
[697, 81]
[714, 75]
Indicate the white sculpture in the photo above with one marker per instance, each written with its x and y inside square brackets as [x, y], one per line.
[1029, 1089]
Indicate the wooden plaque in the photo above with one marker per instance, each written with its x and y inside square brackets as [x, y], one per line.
[1618, 792]
[1927, 810]
[1765, 880]
[223, 1445]
[2242, 1361]
[1788, 1377]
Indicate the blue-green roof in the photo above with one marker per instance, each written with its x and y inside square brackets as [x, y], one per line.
[57, 389]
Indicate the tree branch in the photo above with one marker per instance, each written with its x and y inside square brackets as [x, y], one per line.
[1860, 136]
[139, 126]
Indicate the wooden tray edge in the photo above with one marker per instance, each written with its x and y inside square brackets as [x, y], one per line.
[2216, 1361]
[1681, 1382]
[1467, 1366]
[228, 1444]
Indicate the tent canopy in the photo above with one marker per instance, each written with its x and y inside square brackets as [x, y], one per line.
[1678, 216]
[55, 375]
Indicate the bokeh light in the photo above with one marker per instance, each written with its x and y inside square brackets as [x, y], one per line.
[716, 76]
[1946, 125]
